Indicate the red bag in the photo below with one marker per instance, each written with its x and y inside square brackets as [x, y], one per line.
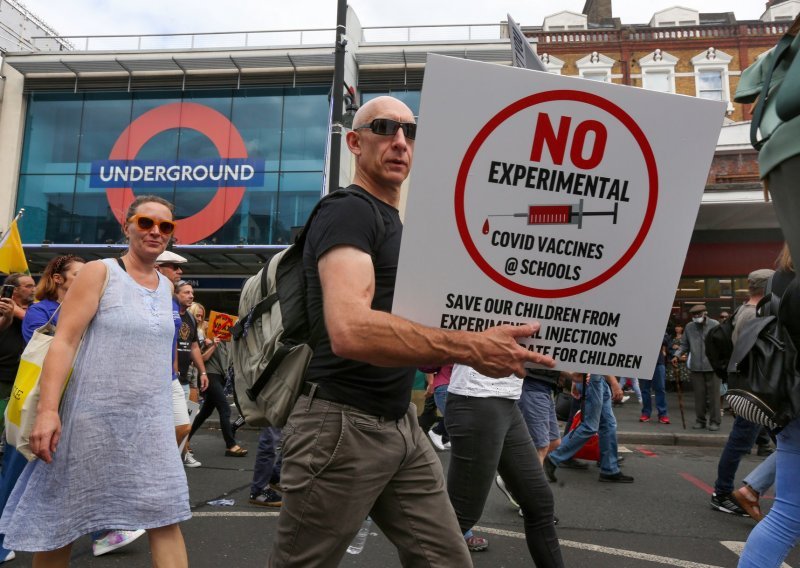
[591, 449]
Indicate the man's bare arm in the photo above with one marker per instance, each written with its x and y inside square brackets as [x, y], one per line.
[361, 333]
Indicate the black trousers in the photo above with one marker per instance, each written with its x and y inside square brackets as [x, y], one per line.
[215, 399]
[488, 435]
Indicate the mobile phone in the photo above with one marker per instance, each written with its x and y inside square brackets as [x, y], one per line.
[8, 291]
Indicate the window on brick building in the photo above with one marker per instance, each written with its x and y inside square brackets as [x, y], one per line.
[596, 67]
[711, 75]
[658, 71]
[709, 85]
[657, 81]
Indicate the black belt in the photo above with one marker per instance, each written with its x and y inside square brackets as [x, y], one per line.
[318, 392]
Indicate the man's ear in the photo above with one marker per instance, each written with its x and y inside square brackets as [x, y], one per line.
[353, 142]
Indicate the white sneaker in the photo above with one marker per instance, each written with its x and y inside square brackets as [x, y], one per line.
[625, 398]
[437, 440]
[10, 555]
[113, 540]
[501, 485]
[447, 446]
[190, 461]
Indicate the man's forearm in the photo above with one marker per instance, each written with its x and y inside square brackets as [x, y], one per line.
[197, 359]
[387, 340]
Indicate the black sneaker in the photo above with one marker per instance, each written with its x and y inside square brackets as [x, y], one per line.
[572, 463]
[550, 470]
[727, 504]
[618, 477]
[267, 498]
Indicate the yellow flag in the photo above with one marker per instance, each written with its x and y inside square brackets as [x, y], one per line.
[12, 257]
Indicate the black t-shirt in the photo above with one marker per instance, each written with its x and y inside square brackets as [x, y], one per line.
[186, 336]
[11, 346]
[381, 391]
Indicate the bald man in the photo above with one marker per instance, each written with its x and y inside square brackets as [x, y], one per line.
[352, 445]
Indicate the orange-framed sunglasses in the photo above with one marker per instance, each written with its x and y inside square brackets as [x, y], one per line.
[145, 223]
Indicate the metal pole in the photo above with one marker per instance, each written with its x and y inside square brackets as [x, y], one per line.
[337, 96]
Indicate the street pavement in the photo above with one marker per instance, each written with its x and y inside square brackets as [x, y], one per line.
[662, 519]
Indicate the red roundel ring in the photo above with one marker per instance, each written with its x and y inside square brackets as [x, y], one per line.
[198, 117]
[486, 131]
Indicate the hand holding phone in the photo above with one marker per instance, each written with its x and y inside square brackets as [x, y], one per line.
[8, 291]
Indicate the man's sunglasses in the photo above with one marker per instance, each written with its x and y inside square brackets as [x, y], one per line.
[145, 223]
[389, 127]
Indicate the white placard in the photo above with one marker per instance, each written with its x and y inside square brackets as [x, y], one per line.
[522, 54]
[568, 201]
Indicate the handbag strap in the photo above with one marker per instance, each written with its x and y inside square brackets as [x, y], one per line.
[758, 112]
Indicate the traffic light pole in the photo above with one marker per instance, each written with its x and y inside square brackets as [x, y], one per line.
[337, 97]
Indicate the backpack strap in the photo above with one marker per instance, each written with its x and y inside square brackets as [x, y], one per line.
[242, 326]
[275, 362]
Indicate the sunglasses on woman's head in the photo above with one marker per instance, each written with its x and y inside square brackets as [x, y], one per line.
[389, 127]
[145, 223]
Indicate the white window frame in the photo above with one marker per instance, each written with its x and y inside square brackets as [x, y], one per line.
[659, 62]
[595, 64]
[713, 60]
[554, 64]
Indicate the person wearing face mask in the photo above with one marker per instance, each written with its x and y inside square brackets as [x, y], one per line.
[705, 383]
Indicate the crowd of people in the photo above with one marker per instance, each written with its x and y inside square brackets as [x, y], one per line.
[352, 446]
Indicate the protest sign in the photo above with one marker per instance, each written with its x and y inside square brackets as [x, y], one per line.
[219, 325]
[522, 54]
[563, 200]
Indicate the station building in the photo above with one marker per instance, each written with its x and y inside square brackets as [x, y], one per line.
[234, 129]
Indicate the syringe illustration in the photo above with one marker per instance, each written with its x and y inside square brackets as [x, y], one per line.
[557, 215]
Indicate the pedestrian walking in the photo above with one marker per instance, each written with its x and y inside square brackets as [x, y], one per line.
[109, 458]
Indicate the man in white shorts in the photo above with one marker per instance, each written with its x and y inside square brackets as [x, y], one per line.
[169, 264]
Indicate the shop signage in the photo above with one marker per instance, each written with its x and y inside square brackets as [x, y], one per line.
[232, 172]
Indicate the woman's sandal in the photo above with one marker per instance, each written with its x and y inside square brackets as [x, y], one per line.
[747, 497]
[236, 452]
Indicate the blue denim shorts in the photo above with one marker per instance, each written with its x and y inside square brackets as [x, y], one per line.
[539, 411]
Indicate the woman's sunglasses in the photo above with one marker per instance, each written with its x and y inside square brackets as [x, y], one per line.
[145, 223]
[389, 127]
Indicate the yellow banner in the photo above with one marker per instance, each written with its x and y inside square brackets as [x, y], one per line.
[12, 257]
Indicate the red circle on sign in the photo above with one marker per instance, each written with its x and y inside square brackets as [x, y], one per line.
[205, 120]
[486, 131]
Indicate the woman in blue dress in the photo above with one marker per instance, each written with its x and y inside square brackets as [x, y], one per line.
[108, 458]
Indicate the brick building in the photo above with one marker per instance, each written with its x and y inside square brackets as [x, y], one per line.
[688, 52]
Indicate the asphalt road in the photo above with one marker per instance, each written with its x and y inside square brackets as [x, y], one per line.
[663, 519]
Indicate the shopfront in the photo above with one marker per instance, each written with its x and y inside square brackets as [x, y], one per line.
[241, 166]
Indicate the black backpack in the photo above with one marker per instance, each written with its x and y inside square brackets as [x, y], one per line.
[764, 385]
[273, 341]
[719, 346]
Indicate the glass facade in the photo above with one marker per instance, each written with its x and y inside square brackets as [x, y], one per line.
[719, 294]
[411, 98]
[282, 130]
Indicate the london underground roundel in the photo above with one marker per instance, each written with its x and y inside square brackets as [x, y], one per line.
[207, 121]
